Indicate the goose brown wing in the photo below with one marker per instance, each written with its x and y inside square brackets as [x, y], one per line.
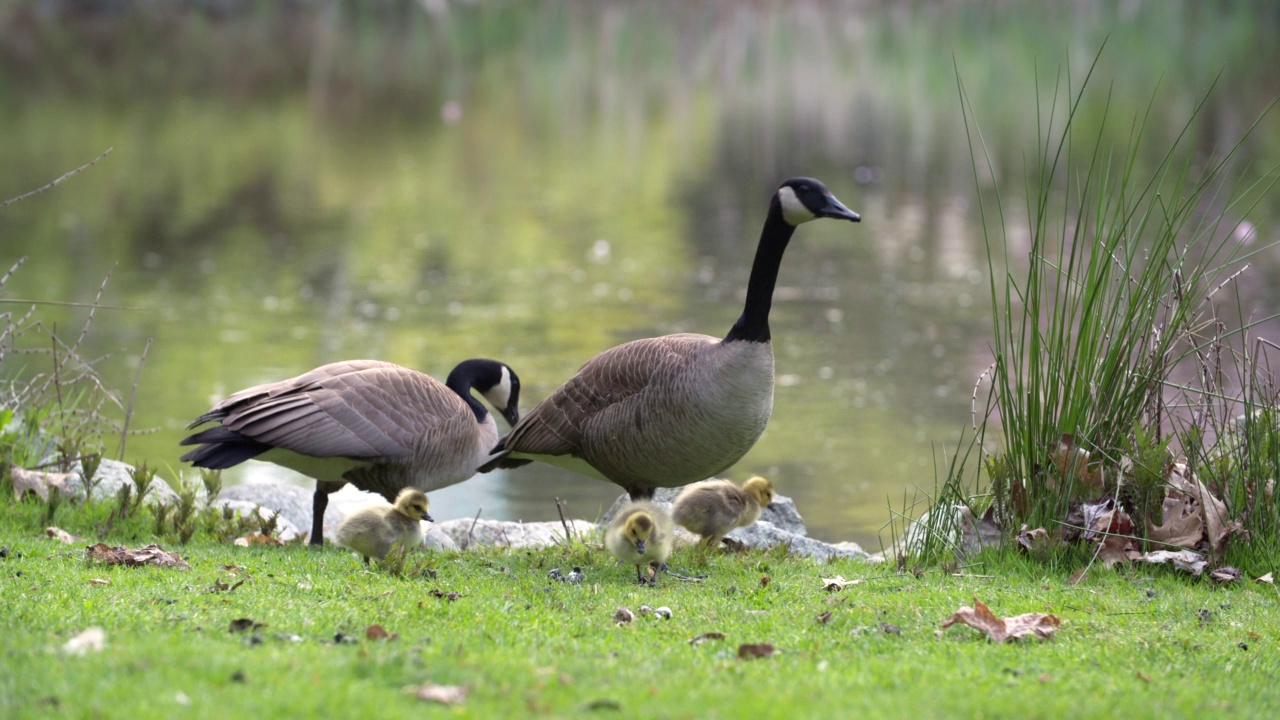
[611, 387]
[354, 409]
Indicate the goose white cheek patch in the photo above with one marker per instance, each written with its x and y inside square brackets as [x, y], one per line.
[499, 395]
[793, 211]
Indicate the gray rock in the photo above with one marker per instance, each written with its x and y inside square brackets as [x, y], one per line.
[436, 539]
[293, 502]
[512, 534]
[286, 531]
[111, 476]
[781, 512]
[765, 534]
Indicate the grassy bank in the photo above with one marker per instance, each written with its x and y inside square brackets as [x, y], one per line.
[1142, 642]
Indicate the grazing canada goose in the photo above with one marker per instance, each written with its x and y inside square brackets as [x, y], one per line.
[376, 425]
[671, 410]
[640, 534]
[373, 531]
[712, 508]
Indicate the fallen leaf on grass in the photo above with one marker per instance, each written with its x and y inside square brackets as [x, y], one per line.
[153, 555]
[1183, 522]
[38, 482]
[377, 632]
[750, 651]
[443, 694]
[61, 535]
[244, 624]
[450, 596]
[1266, 579]
[92, 639]
[256, 539]
[1217, 524]
[978, 534]
[623, 616]
[824, 618]
[1078, 576]
[1184, 560]
[99, 581]
[890, 629]
[999, 630]
[1225, 574]
[1033, 540]
[838, 583]
[705, 637]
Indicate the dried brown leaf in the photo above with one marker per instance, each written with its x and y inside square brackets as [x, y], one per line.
[1032, 540]
[244, 624]
[705, 637]
[1078, 576]
[765, 580]
[1266, 579]
[1183, 522]
[450, 596]
[38, 482]
[977, 534]
[1218, 524]
[824, 618]
[623, 616]
[152, 555]
[377, 632]
[1039, 625]
[839, 583]
[63, 536]
[90, 640]
[256, 539]
[99, 581]
[443, 694]
[1184, 560]
[749, 651]
[1225, 574]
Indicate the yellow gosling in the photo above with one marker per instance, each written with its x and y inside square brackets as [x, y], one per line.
[373, 531]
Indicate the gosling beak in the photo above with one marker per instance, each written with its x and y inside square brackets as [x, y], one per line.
[512, 415]
[836, 209]
[428, 518]
[640, 546]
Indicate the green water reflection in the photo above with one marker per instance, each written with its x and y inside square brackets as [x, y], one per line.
[539, 181]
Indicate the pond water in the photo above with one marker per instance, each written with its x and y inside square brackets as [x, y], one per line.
[537, 182]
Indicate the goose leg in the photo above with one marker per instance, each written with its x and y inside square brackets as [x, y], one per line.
[685, 578]
[319, 503]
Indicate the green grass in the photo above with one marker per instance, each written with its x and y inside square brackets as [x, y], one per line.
[1132, 644]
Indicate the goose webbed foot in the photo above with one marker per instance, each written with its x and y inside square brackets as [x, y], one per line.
[640, 576]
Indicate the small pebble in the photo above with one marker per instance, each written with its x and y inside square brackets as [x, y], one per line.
[645, 610]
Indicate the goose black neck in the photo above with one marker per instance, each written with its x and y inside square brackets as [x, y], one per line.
[753, 325]
[465, 376]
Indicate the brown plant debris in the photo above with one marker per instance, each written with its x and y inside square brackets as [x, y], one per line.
[153, 555]
[1225, 574]
[244, 625]
[442, 595]
[705, 637]
[377, 632]
[1266, 579]
[977, 534]
[256, 539]
[750, 651]
[1185, 560]
[63, 536]
[1038, 625]
[100, 581]
[38, 482]
[1033, 540]
[624, 616]
[839, 583]
[443, 694]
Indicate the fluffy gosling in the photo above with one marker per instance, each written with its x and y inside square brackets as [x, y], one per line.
[373, 531]
[714, 507]
[640, 534]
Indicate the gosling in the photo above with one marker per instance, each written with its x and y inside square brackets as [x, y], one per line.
[714, 507]
[373, 531]
[640, 534]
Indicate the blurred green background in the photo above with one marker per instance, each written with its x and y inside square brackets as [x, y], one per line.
[422, 182]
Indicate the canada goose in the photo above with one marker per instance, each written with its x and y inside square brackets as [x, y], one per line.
[372, 531]
[712, 508]
[640, 534]
[379, 426]
[671, 410]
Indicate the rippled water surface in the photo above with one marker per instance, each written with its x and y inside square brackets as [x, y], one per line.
[537, 182]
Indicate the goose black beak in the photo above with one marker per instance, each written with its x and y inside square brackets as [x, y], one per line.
[428, 518]
[836, 209]
[640, 546]
[512, 415]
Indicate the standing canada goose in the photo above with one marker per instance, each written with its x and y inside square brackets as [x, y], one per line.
[712, 508]
[640, 534]
[373, 531]
[671, 410]
[376, 425]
